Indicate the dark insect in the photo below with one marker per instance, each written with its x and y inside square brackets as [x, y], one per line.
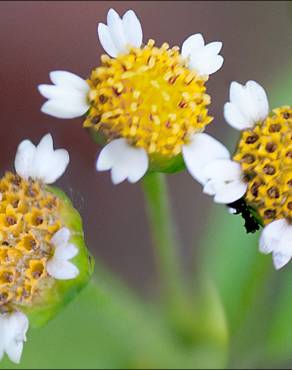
[251, 224]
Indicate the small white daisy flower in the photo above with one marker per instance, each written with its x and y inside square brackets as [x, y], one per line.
[35, 247]
[261, 169]
[147, 102]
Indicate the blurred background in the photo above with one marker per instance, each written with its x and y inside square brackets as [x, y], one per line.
[38, 37]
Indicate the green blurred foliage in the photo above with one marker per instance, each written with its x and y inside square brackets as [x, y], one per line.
[107, 327]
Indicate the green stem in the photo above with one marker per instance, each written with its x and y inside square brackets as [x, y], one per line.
[164, 237]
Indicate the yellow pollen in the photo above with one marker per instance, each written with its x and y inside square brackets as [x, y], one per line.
[149, 97]
[265, 155]
[29, 216]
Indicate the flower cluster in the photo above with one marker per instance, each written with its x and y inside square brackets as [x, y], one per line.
[35, 242]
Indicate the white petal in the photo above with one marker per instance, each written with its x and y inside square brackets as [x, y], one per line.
[2, 336]
[116, 30]
[192, 43]
[132, 28]
[202, 149]
[49, 164]
[125, 161]
[213, 48]
[66, 107]
[223, 170]
[58, 266]
[55, 92]
[202, 58]
[62, 269]
[209, 188]
[285, 242]
[280, 260]
[224, 181]
[260, 99]
[61, 237]
[207, 65]
[24, 158]
[271, 236]
[234, 117]
[69, 80]
[244, 100]
[67, 98]
[231, 193]
[248, 105]
[15, 328]
[276, 237]
[65, 252]
[106, 40]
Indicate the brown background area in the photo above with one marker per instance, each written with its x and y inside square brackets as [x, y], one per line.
[37, 37]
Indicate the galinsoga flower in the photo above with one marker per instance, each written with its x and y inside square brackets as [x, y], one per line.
[41, 244]
[261, 168]
[147, 103]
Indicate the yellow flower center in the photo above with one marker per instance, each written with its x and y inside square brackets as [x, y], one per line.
[265, 155]
[150, 97]
[28, 218]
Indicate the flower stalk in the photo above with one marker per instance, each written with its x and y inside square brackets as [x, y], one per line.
[165, 241]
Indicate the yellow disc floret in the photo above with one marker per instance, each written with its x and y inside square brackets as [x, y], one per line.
[150, 97]
[29, 216]
[265, 154]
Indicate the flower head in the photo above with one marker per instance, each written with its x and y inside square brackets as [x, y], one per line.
[146, 102]
[36, 242]
[261, 168]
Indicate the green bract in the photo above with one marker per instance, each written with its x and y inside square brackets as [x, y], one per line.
[63, 291]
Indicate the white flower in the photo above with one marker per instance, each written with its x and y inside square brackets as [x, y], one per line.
[59, 266]
[67, 98]
[248, 105]
[276, 238]
[120, 33]
[13, 328]
[41, 162]
[124, 161]
[209, 163]
[202, 58]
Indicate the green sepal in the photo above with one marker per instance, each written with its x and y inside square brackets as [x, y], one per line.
[63, 291]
